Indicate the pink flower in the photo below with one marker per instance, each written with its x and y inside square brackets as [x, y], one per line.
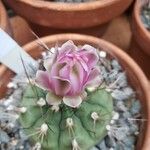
[68, 72]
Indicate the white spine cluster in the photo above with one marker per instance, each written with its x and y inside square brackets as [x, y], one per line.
[44, 128]
[41, 102]
[69, 125]
[95, 117]
[55, 108]
[102, 54]
[75, 145]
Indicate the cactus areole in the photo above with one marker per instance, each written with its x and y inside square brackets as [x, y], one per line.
[61, 112]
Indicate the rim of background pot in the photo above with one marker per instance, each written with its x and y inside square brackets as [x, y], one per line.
[141, 34]
[99, 11]
[4, 21]
[135, 74]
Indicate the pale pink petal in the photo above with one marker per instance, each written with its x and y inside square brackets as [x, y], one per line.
[67, 48]
[94, 79]
[61, 86]
[42, 80]
[51, 60]
[79, 72]
[56, 68]
[76, 79]
[53, 99]
[64, 72]
[84, 64]
[95, 82]
[91, 54]
[72, 101]
[93, 74]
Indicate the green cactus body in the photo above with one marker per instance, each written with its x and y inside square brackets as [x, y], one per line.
[83, 131]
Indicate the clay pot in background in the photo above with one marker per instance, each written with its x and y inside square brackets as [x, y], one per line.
[22, 32]
[41, 31]
[142, 59]
[4, 21]
[69, 15]
[140, 33]
[134, 73]
[119, 32]
[140, 45]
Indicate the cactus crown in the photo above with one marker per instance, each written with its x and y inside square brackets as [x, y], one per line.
[60, 126]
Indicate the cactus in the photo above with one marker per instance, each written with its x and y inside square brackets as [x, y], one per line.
[63, 127]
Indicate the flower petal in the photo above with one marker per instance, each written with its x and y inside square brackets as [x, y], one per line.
[94, 83]
[72, 101]
[67, 48]
[55, 68]
[51, 59]
[76, 79]
[42, 80]
[53, 99]
[61, 86]
[93, 74]
[64, 72]
[91, 54]
[94, 78]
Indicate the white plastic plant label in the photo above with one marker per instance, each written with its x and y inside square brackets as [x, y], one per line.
[12, 55]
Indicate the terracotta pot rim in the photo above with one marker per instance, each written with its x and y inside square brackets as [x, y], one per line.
[137, 11]
[3, 16]
[69, 6]
[121, 55]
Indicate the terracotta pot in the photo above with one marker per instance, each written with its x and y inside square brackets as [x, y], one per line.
[4, 21]
[134, 73]
[41, 31]
[142, 59]
[69, 15]
[141, 34]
